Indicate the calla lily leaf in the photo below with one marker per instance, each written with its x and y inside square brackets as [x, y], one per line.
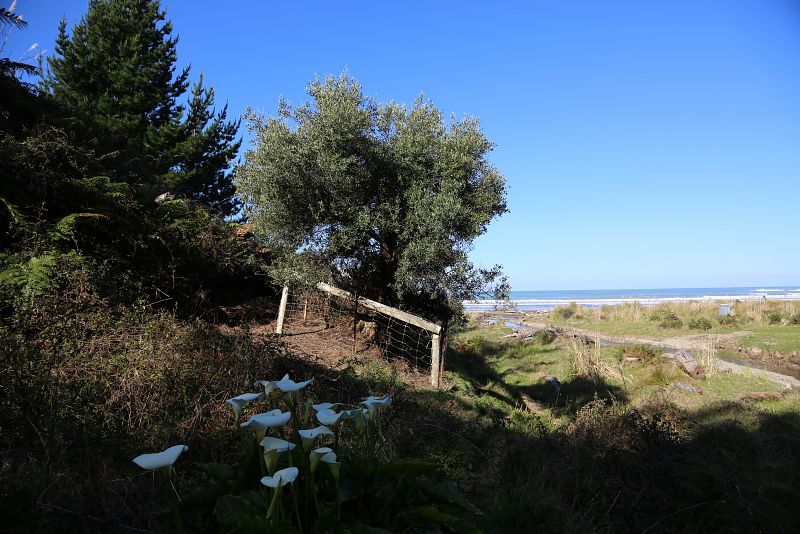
[281, 478]
[159, 460]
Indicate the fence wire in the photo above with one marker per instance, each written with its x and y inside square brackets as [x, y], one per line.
[314, 310]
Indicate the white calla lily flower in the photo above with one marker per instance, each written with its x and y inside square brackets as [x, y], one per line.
[308, 436]
[273, 447]
[288, 385]
[268, 385]
[316, 455]
[358, 416]
[260, 422]
[329, 417]
[281, 478]
[325, 406]
[374, 402]
[160, 460]
[277, 444]
[333, 465]
[243, 400]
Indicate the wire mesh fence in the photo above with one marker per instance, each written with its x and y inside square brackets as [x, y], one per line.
[388, 329]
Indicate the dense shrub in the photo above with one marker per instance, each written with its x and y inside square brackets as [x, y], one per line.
[545, 336]
[795, 319]
[84, 380]
[565, 312]
[727, 320]
[699, 323]
[773, 317]
[646, 353]
[670, 320]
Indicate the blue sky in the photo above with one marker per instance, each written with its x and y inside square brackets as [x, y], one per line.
[645, 144]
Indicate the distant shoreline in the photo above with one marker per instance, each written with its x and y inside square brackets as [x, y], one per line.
[545, 300]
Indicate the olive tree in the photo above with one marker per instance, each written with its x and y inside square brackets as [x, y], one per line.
[386, 198]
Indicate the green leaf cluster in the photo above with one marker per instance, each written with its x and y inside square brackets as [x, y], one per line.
[115, 78]
[389, 196]
[371, 491]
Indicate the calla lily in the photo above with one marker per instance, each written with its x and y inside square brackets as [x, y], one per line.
[262, 421]
[325, 406]
[269, 386]
[281, 478]
[288, 385]
[277, 444]
[160, 460]
[358, 416]
[243, 400]
[373, 402]
[333, 465]
[328, 417]
[308, 436]
[316, 455]
[273, 447]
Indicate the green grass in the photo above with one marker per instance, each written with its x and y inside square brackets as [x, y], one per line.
[623, 453]
[779, 338]
[511, 367]
[783, 339]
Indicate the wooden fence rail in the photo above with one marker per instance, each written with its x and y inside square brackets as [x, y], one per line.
[434, 329]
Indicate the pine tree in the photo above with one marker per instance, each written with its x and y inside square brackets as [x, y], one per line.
[116, 74]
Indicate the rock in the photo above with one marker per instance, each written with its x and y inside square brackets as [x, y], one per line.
[554, 382]
[630, 359]
[755, 351]
[690, 389]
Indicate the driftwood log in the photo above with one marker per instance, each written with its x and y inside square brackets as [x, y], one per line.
[689, 364]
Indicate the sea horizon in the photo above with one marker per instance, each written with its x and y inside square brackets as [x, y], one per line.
[526, 300]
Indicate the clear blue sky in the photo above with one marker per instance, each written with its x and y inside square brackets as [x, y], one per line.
[645, 144]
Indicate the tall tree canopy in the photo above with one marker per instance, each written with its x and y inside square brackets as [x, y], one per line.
[390, 196]
[116, 73]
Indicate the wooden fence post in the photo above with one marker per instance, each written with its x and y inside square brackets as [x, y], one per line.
[282, 310]
[435, 359]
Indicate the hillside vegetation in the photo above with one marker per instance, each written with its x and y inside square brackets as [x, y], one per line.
[137, 305]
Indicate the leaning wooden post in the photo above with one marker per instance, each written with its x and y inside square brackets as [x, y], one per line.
[435, 359]
[282, 310]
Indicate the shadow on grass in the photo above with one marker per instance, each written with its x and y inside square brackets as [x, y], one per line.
[565, 397]
[615, 468]
[727, 467]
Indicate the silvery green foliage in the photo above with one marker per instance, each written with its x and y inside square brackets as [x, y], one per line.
[389, 197]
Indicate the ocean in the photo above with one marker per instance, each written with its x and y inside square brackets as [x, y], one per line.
[546, 300]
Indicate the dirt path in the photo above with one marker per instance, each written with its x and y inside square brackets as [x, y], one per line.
[687, 342]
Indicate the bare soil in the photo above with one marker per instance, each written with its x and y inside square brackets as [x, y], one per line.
[337, 347]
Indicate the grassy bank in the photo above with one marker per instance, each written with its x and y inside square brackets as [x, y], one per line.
[620, 445]
[772, 326]
[630, 447]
